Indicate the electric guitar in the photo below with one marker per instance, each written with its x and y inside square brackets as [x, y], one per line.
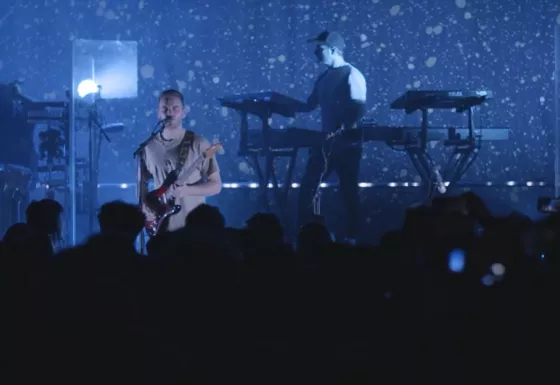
[157, 201]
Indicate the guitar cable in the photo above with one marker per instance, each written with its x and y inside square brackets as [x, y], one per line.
[316, 201]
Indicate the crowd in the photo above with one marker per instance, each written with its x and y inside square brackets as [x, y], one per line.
[456, 295]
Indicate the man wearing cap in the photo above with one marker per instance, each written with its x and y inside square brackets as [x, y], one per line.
[340, 91]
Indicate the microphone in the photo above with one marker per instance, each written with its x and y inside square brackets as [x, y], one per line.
[160, 124]
[165, 120]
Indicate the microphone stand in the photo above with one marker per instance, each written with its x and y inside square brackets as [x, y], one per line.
[139, 177]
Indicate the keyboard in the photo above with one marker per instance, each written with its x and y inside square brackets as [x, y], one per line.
[294, 137]
[263, 103]
[412, 101]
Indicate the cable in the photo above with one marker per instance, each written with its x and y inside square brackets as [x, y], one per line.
[316, 201]
[157, 128]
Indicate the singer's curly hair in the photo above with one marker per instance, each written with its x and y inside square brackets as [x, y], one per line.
[172, 92]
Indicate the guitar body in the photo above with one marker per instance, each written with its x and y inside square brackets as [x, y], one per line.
[156, 202]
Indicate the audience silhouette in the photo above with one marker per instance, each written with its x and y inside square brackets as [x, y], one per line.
[456, 296]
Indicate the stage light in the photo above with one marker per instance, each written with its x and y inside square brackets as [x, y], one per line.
[456, 260]
[87, 87]
[364, 185]
[488, 280]
[498, 269]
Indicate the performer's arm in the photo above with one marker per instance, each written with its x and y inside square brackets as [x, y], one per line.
[210, 171]
[312, 101]
[212, 186]
[358, 94]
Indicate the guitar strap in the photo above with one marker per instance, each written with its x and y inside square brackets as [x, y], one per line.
[184, 151]
[186, 142]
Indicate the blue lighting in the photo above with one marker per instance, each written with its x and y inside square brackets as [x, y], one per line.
[456, 261]
[254, 185]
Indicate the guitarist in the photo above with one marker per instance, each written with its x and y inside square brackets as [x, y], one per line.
[176, 147]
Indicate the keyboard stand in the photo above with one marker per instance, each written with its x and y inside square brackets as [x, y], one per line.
[266, 170]
[419, 157]
[464, 154]
[422, 162]
[268, 180]
[465, 149]
[459, 162]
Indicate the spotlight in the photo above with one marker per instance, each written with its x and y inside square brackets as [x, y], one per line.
[87, 87]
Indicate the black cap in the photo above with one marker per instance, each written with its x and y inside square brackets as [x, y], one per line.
[331, 39]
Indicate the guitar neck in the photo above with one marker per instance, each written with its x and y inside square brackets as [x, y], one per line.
[186, 173]
[183, 176]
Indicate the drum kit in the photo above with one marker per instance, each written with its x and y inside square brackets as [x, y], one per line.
[34, 154]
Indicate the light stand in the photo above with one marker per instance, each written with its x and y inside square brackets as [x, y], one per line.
[51, 147]
[96, 135]
[113, 64]
[549, 205]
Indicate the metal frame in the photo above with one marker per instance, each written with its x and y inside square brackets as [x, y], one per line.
[557, 110]
[71, 220]
[108, 56]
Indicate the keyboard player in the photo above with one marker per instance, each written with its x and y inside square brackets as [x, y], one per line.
[340, 92]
